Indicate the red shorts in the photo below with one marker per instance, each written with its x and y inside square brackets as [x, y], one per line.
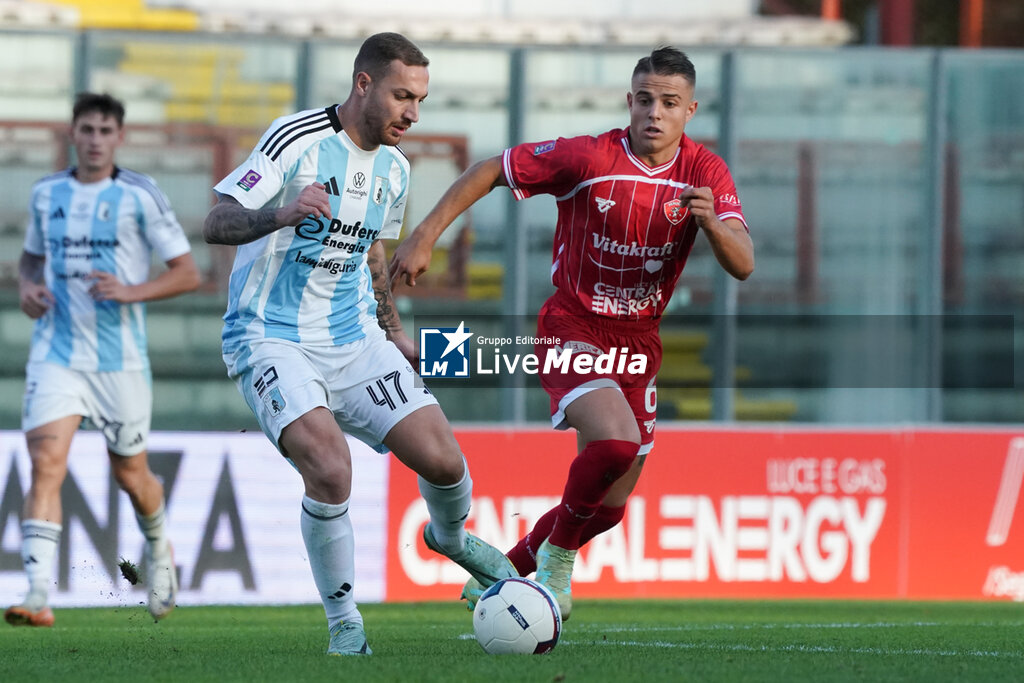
[618, 347]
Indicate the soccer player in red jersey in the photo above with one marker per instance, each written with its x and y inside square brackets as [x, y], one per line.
[630, 202]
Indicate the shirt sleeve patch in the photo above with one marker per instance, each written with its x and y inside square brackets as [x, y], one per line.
[543, 147]
[249, 180]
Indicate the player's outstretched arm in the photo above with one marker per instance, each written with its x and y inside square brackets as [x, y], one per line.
[231, 223]
[412, 258]
[182, 275]
[33, 296]
[387, 313]
[729, 239]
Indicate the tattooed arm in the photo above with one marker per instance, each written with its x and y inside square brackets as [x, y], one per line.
[231, 223]
[387, 312]
[34, 297]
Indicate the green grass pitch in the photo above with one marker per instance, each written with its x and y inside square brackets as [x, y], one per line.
[649, 641]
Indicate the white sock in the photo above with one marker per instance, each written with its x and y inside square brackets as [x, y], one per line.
[39, 540]
[154, 528]
[449, 507]
[327, 533]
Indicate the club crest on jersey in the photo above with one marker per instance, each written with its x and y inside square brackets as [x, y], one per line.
[249, 180]
[275, 401]
[675, 212]
[543, 147]
[380, 189]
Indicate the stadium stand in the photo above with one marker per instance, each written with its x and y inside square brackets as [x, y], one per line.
[206, 84]
[37, 15]
[127, 14]
[540, 24]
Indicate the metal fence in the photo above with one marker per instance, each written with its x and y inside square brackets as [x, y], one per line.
[876, 182]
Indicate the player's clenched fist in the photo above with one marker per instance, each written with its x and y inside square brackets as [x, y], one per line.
[35, 299]
[312, 201]
[701, 203]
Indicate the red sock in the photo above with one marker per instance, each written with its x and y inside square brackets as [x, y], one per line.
[524, 554]
[604, 519]
[591, 474]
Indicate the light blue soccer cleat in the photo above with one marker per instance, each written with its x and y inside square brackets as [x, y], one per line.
[554, 572]
[483, 561]
[348, 638]
[471, 593]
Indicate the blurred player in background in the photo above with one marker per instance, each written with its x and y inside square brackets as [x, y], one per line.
[311, 335]
[630, 205]
[84, 277]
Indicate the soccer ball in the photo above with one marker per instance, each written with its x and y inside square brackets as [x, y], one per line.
[517, 616]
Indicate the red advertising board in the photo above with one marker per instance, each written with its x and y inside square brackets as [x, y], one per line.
[787, 512]
[966, 536]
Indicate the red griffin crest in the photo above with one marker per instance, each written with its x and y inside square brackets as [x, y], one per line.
[675, 212]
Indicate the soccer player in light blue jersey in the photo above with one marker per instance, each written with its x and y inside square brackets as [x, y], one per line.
[84, 278]
[311, 334]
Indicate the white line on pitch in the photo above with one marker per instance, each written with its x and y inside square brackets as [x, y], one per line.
[811, 649]
[751, 627]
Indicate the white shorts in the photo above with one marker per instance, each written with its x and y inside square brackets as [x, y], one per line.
[368, 385]
[119, 404]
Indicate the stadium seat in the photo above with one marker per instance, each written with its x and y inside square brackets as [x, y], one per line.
[486, 281]
[684, 391]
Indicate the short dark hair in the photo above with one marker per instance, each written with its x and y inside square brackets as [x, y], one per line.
[667, 61]
[108, 105]
[379, 50]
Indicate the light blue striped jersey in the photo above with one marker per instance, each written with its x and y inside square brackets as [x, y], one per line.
[113, 225]
[310, 283]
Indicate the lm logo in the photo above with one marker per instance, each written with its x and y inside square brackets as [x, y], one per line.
[444, 351]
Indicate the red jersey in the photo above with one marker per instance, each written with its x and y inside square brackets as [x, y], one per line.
[622, 236]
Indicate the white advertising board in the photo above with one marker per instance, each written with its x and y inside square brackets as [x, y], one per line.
[233, 506]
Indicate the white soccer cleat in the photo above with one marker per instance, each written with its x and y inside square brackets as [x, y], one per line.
[161, 580]
[348, 639]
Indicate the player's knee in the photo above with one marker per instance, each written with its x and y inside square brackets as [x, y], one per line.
[329, 472]
[442, 466]
[613, 456]
[434, 454]
[129, 476]
[48, 471]
[631, 433]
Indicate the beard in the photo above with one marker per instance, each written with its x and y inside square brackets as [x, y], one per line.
[383, 126]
